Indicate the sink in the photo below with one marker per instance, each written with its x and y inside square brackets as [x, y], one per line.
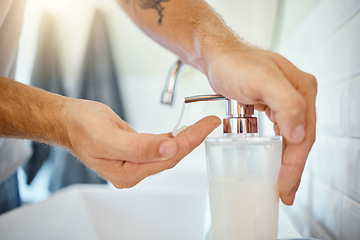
[100, 212]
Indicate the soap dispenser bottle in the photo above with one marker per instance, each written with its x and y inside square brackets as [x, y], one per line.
[243, 169]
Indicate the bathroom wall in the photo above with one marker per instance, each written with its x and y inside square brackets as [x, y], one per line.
[323, 37]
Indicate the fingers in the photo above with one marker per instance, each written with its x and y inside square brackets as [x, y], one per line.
[291, 170]
[128, 174]
[294, 159]
[298, 139]
[186, 141]
[306, 86]
[287, 108]
[282, 93]
[295, 155]
[194, 135]
[135, 147]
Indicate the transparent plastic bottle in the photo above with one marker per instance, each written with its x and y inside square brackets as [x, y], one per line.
[242, 172]
[243, 169]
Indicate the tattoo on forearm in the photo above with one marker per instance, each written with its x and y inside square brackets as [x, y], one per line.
[156, 4]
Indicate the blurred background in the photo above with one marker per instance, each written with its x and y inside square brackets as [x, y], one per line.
[91, 49]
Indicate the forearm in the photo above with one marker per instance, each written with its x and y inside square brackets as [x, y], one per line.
[31, 113]
[189, 28]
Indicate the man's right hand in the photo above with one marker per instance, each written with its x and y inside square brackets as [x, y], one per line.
[94, 133]
[107, 144]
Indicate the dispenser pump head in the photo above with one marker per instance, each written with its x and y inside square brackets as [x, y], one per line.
[239, 117]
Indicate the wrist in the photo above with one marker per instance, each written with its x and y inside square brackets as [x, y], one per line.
[63, 132]
[52, 120]
[31, 113]
[214, 40]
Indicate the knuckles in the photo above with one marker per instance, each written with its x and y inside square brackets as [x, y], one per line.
[140, 147]
[313, 82]
[123, 180]
[172, 164]
[296, 105]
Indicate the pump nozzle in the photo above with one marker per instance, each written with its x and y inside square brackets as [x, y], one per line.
[239, 117]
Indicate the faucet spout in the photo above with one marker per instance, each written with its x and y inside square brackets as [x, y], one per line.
[168, 93]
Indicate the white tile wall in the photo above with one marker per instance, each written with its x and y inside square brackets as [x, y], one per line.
[345, 60]
[303, 195]
[330, 110]
[350, 220]
[326, 206]
[351, 7]
[326, 43]
[337, 163]
[352, 100]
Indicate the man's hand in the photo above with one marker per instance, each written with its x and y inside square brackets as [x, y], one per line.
[285, 93]
[94, 133]
[235, 70]
[107, 144]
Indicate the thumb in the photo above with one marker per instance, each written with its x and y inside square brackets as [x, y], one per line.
[140, 147]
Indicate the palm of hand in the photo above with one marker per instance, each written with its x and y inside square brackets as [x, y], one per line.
[107, 144]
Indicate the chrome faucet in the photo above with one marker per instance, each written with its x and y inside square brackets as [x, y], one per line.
[168, 93]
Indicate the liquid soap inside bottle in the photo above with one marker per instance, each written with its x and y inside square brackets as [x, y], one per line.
[242, 172]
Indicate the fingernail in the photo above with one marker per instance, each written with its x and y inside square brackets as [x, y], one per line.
[167, 149]
[218, 123]
[298, 134]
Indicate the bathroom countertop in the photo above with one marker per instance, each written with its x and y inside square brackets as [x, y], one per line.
[101, 212]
